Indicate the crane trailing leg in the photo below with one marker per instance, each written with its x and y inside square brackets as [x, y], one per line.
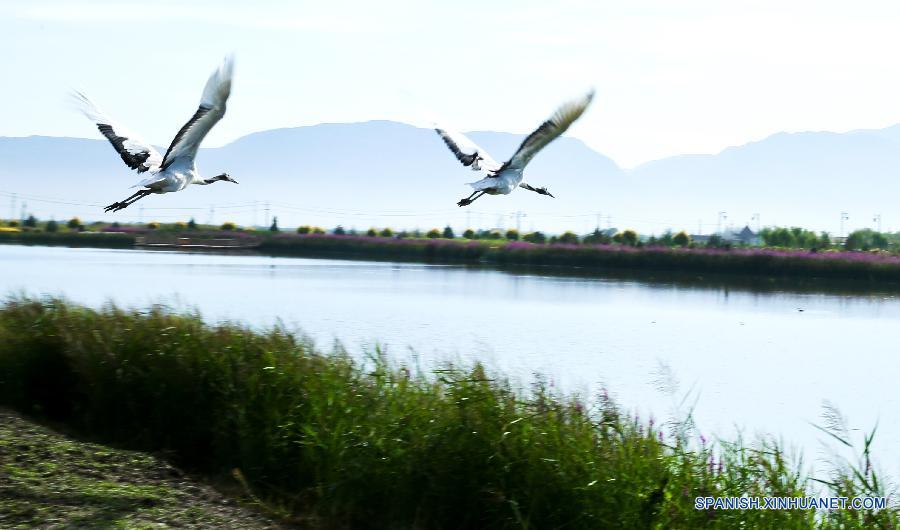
[471, 198]
[116, 206]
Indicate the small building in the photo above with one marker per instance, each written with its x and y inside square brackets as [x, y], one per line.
[745, 236]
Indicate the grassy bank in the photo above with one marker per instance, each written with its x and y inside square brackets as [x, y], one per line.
[48, 480]
[751, 262]
[69, 239]
[371, 445]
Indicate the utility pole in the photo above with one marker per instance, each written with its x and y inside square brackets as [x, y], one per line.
[608, 221]
[844, 217]
[519, 215]
[24, 208]
[722, 216]
[599, 220]
[756, 218]
[877, 219]
[267, 213]
[255, 217]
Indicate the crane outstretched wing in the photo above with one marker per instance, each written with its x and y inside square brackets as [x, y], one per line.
[549, 131]
[210, 111]
[467, 152]
[136, 153]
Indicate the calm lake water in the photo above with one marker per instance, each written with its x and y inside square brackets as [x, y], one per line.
[758, 361]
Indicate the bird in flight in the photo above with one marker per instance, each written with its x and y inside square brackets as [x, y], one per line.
[504, 178]
[176, 170]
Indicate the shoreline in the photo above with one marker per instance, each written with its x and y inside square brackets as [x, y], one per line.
[756, 269]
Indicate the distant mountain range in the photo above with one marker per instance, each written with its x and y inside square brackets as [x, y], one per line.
[383, 173]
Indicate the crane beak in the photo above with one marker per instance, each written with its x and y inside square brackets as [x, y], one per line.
[229, 179]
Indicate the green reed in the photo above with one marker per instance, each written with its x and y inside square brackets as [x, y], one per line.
[337, 442]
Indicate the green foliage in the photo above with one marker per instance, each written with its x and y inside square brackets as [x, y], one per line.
[153, 225]
[434, 233]
[180, 225]
[305, 229]
[386, 232]
[794, 237]
[448, 233]
[716, 241]
[228, 225]
[567, 237]
[628, 237]
[192, 225]
[318, 230]
[375, 445]
[866, 239]
[51, 226]
[469, 234]
[535, 237]
[597, 237]
[681, 239]
[339, 230]
[74, 224]
[30, 222]
[512, 234]
[12, 223]
[372, 232]
[274, 227]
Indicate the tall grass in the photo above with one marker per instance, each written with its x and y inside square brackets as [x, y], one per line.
[341, 443]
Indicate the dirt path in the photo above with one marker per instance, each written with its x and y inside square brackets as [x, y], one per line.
[50, 481]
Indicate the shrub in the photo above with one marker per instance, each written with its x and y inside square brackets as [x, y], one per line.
[192, 225]
[305, 229]
[318, 230]
[13, 223]
[274, 227]
[628, 237]
[568, 237]
[512, 235]
[153, 225]
[434, 233]
[180, 225]
[74, 223]
[30, 222]
[866, 239]
[448, 233]
[386, 232]
[339, 230]
[51, 226]
[469, 234]
[597, 237]
[372, 232]
[681, 239]
[535, 237]
[228, 225]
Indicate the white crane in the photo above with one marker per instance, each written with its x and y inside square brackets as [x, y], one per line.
[176, 170]
[504, 178]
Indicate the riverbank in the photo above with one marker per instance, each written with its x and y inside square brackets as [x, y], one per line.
[864, 267]
[48, 480]
[379, 445]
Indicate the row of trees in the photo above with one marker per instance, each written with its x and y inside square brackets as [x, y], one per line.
[795, 237]
[781, 237]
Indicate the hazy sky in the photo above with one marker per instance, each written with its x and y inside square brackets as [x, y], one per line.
[670, 80]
